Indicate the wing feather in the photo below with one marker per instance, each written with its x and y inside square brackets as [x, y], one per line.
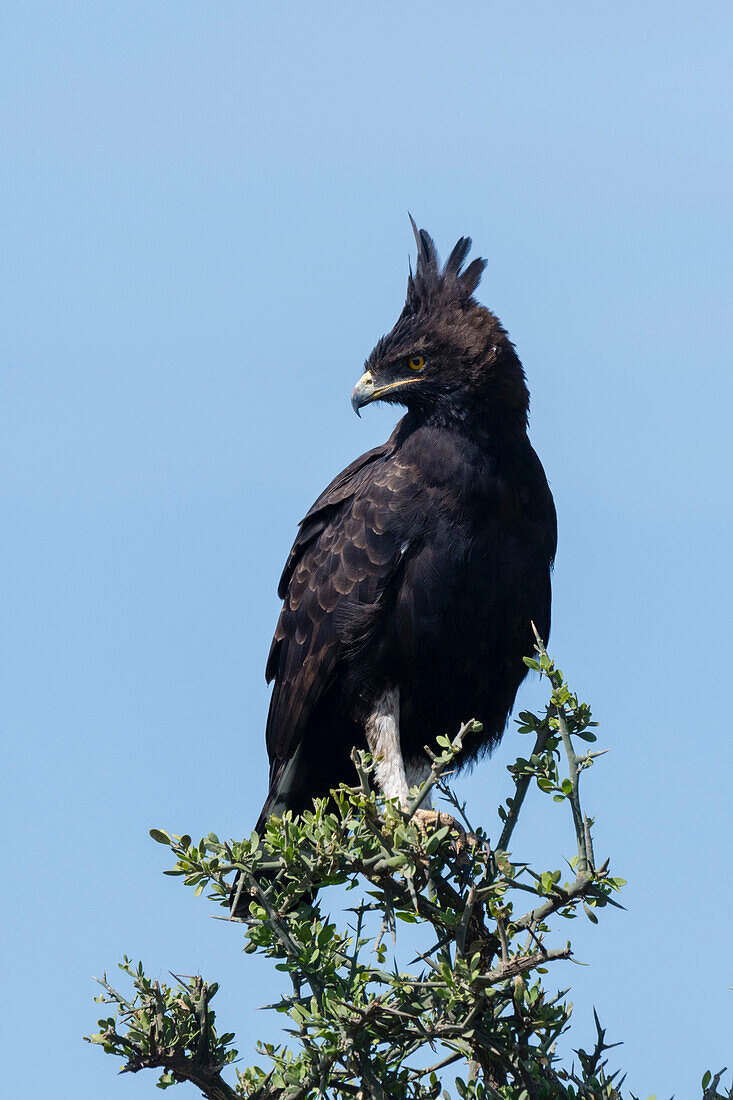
[347, 549]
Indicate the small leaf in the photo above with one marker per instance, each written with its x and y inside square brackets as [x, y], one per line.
[160, 836]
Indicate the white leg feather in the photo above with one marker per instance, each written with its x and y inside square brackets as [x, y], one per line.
[383, 738]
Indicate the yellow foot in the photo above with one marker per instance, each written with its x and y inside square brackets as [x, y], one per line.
[430, 820]
[426, 818]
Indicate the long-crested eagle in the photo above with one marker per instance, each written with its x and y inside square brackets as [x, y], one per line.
[410, 590]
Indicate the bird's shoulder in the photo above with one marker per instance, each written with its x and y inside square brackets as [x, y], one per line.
[465, 467]
[364, 495]
[468, 483]
[421, 477]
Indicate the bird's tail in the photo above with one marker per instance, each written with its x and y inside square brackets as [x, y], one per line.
[286, 790]
[285, 794]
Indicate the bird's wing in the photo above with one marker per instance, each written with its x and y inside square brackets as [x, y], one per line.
[348, 547]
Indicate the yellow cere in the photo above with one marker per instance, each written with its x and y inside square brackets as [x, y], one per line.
[416, 362]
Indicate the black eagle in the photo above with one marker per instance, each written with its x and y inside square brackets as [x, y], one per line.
[410, 590]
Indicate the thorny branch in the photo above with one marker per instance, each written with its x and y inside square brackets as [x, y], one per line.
[360, 1023]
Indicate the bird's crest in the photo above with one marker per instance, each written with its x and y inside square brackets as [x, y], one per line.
[430, 285]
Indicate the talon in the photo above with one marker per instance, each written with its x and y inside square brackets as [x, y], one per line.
[427, 820]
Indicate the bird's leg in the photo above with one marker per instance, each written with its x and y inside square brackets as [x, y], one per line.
[427, 817]
[393, 778]
[383, 737]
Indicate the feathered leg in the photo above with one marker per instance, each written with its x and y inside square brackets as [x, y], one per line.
[383, 738]
[394, 777]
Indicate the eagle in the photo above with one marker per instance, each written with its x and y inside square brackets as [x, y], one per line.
[412, 585]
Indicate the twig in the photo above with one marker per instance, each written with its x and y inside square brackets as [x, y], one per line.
[557, 901]
[502, 939]
[521, 964]
[282, 933]
[117, 997]
[575, 763]
[439, 765]
[464, 921]
[417, 1073]
[574, 797]
[520, 792]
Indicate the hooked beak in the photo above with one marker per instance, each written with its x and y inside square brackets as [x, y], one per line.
[365, 391]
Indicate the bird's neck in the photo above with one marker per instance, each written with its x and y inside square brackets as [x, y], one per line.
[491, 430]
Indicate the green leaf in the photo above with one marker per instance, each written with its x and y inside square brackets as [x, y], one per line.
[354, 987]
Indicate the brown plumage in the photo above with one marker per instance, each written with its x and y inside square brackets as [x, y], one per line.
[410, 588]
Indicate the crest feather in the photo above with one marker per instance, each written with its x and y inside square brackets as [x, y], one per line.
[455, 260]
[471, 277]
[430, 286]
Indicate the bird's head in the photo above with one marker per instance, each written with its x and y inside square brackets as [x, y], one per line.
[447, 359]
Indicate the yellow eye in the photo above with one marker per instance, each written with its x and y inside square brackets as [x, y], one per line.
[416, 362]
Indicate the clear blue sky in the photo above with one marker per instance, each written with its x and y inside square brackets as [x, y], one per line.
[203, 230]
